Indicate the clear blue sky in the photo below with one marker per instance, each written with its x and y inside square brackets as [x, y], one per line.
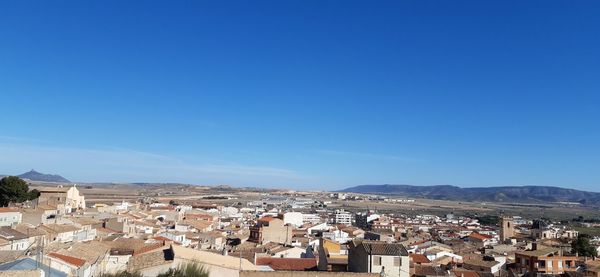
[303, 94]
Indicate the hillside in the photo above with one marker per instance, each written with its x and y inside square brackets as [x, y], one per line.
[522, 194]
[38, 176]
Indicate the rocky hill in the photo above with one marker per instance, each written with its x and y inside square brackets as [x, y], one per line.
[41, 177]
[522, 194]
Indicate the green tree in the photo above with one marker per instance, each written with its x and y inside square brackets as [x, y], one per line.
[15, 190]
[583, 247]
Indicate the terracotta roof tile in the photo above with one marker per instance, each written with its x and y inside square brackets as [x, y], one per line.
[419, 258]
[479, 236]
[68, 259]
[288, 264]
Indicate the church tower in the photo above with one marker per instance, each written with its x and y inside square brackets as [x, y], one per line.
[508, 228]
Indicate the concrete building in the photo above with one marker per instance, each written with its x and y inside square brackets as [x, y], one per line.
[544, 260]
[343, 217]
[390, 259]
[311, 218]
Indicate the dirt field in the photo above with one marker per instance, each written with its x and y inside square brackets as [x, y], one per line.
[111, 193]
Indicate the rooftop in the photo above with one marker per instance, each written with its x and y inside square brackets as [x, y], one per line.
[68, 259]
[288, 264]
[381, 248]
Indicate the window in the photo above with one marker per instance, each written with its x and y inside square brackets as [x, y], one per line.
[376, 260]
[542, 264]
[550, 264]
[397, 261]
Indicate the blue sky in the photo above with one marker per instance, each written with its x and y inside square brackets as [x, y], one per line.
[303, 94]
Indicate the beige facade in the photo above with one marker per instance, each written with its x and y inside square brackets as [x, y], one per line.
[66, 199]
[270, 229]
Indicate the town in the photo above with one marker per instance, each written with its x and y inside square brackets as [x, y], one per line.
[71, 230]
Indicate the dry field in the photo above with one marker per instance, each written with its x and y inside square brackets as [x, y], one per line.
[111, 193]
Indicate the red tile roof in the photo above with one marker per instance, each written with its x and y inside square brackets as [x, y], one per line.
[288, 264]
[419, 258]
[7, 210]
[68, 259]
[266, 219]
[479, 236]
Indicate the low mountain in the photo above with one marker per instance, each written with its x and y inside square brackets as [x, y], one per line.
[41, 177]
[518, 194]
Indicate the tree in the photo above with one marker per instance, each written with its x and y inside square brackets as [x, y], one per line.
[15, 190]
[583, 247]
[192, 269]
[123, 274]
[186, 270]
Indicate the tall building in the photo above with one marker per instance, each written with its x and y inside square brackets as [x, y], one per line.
[343, 217]
[507, 230]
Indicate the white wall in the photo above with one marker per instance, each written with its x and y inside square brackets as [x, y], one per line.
[10, 218]
[390, 269]
[293, 218]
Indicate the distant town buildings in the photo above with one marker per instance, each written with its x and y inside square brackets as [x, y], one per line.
[289, 234]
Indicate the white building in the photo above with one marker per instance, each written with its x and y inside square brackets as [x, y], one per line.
[319, 227]
[177, 237]
[311, 218]
[11, 239]
[343, 217]
[294, 218]
[338, 236]
[10, 217]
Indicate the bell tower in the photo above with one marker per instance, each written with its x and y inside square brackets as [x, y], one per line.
[507, 230]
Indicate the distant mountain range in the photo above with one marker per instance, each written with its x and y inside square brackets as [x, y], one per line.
[41, 177]
[518, 194]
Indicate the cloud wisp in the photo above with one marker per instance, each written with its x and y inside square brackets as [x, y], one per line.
[126, 165]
